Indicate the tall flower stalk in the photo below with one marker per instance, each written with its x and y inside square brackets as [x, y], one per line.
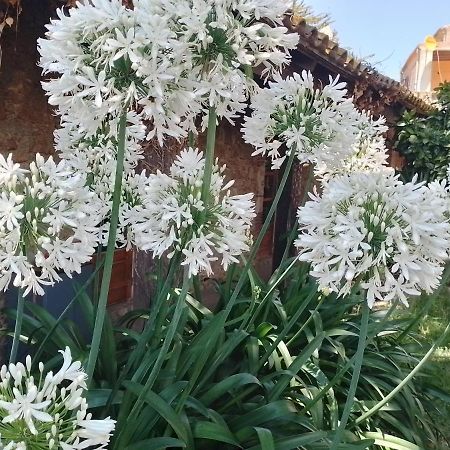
[209, 152]
[109, 256]
[121, 438]
[17, 326]
[359, 357]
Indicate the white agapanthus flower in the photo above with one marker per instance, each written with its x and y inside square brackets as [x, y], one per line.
[48, 224]
[222, 38]
[48, 411]
[110, 59]
[168, 59]
[96, 154]
[440, 195]
[373, 230]
[319, 125]
[369, 155]
[10, 172]
[134, 187]
[171, 216]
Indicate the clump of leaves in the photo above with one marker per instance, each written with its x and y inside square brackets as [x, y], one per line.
[274, 375]
[425, 141]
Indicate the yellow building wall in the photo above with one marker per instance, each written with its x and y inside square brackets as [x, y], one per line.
[444, 68]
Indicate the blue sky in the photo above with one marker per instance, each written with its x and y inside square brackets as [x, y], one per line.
[387, 29]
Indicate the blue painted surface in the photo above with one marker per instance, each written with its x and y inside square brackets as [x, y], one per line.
[55, 300]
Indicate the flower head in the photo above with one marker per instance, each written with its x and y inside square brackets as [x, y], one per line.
[48, 223]
[319, 125]
[368, 152]
[222, 39]
[172, 216]
[112, 59]
[9, 171]
[369, 155]
[371, 229]
[95, 154]
[50, 413]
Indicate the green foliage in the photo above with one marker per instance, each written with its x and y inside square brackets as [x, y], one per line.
[425, 141]
[267, 377]
[433, 318]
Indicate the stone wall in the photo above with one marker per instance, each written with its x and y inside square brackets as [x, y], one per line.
[26, 120]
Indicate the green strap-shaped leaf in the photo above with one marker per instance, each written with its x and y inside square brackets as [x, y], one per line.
[225, 386]
[214, 432]
[294, 442]
[264, 414]
[162, 407]
[391, 442]
[297, 364]
[99, 397]
[265, 438]
[159, 443]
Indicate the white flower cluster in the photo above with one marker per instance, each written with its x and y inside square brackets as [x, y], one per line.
[223, 38]
[319, 125]
[48, 411]
[48, 223]
[368, 153]
[173, 217]
[440, 195]
[167, 59]
[112, 59]
[164, 62]
[371, 229]
[95, 156]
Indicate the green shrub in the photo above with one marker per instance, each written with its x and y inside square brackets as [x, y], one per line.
[425, 141]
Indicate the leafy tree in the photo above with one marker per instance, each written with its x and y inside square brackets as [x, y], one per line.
[425, 141]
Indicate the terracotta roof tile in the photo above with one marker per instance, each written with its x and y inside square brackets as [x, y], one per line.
[320, 44]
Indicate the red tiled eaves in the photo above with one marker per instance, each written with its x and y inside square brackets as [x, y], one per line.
[319, 46]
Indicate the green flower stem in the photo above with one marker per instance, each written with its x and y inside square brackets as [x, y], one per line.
[77, 295]
[355, 377]
[264, 228]
[407, 379]
[161, 297]
[109, 257]
[18, 326]
[137, 354]
[197, 288]
[258, 309]
[294, 231]
[243, 276]
[98, 262]
[209, 153]
[323, 391]
[191, 139]
[162, 354]
[286, 329]
[305, 324]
